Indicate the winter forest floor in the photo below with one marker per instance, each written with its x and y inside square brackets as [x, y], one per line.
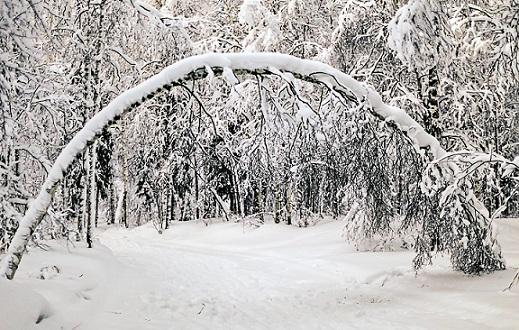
[227, 276]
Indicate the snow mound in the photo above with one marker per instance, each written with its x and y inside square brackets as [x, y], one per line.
[21, 308]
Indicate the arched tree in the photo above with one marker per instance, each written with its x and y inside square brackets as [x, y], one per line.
[476, 251]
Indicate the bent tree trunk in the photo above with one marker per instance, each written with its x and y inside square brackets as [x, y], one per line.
[199, 67]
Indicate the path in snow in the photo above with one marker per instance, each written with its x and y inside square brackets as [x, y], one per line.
[278, 277]
[225, 276]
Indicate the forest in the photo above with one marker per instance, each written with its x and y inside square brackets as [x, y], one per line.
[394, 122]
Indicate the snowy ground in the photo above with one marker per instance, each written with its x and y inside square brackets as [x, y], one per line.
[225, 276]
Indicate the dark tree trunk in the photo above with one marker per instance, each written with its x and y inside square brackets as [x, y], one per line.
[88, 197]
[96, 209]
[111, 202]
[125, 206]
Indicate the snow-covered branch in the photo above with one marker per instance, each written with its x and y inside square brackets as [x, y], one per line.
[157, 16]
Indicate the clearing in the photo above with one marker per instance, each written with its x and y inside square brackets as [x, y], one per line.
[227, 276]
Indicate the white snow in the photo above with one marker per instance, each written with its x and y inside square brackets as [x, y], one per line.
[250, 12]
[21, 308]
[414, 35]
[304, 112]
[159, 17]
[230, 77]
[229, 276]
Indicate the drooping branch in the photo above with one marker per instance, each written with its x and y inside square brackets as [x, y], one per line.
[196, 68]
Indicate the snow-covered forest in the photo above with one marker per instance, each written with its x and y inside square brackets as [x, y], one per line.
[162, 158]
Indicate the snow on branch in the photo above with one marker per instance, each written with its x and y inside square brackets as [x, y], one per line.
[416, 34]
[155, 15]
[195, 68]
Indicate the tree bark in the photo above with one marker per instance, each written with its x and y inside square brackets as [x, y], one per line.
[88, 197]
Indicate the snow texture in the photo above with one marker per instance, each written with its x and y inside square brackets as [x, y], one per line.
[227, 276]
[250, 12]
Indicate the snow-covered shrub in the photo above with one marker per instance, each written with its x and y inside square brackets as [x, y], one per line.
[398, 196]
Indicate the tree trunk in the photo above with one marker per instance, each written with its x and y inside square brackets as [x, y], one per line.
[124, 209]
[81, 207]
[125, 192]
[289, 202]
[197, 192]
[88, 197]
[277, 205]
[432, 104]
[160, 207]
[111, 201]
[171, 208]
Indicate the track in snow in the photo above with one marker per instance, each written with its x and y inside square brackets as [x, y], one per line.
[225, 276]
[278, 277]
